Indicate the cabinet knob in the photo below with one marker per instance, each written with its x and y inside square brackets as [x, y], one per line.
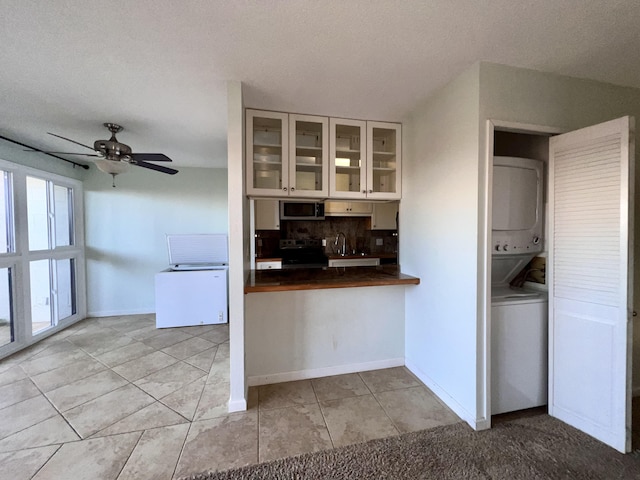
[293, 189]
[364, 191]
[284, 189]
[370, 191]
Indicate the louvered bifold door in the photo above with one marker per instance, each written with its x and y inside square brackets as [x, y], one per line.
[590, 257]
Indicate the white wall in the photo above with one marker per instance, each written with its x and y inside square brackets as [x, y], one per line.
[527, 96]
[438, 225]
[316, 333]
[125, 230]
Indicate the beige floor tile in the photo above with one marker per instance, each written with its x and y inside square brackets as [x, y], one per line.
[44, 363]
[219, 371]
[22, 465]
[113, 341]
[147, 364]
[25, 414]
[415, 408]
[339, 386]
[145, 332]
[98, 414]
[124, 354]
[153, 416]
[219, 444]
[203, 360]
[286, 394]
[156, 454]
[13, 373]
[214, 401]
[84, 390]
[53, 345]
[101, 458]
[291, 431]
[169, 379]
[220, 334]
[17, 392]
[389, 379]
[223, 351]
[198, 330]
[52, 431]
[188, 348]
[58, 377]
[185, 400]
[356, 419]
[166, 339]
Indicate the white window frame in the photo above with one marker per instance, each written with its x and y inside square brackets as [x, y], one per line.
[19, 260]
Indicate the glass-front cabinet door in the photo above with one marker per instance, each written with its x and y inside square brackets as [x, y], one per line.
[308, 156]
[267, 146]
[384, 144]
[347, 172]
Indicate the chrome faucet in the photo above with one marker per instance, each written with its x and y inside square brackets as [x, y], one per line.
[344, 243]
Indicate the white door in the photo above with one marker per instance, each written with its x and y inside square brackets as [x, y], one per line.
[590, 279]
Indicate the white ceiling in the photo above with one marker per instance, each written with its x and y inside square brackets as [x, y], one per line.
[159, 67]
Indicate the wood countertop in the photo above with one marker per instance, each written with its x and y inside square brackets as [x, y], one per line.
[327, 277]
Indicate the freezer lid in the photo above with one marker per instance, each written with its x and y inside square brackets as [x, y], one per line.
[198, 249]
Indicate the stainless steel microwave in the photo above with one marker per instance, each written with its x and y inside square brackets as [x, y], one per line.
[301, 210]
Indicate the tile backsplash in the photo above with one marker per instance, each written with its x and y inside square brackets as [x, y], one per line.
[357, 230]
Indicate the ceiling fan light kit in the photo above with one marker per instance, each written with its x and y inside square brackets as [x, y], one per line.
[114, 157]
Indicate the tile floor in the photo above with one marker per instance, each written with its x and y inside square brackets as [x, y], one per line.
[116, 398]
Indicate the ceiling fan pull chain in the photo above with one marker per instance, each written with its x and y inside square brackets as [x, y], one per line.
[113, 176]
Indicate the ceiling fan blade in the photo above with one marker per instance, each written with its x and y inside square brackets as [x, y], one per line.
[157, 168]
[72, 141]
[150, 157]
[62, 153]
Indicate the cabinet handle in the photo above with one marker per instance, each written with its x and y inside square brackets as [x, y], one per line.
[284, 189]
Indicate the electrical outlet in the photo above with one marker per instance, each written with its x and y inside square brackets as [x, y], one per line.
[379, 242]
[324, 242]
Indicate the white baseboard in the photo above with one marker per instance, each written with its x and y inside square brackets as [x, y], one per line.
[238, 405]
[113, 313]
[256, 380]
[475, 423]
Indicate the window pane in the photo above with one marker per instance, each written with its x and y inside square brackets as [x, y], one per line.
[6, 213]
[40, 295]
[37, 214]
[63, 215]
[65, 288]
[6, 317]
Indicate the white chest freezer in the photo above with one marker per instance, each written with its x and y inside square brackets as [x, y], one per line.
[193, 291]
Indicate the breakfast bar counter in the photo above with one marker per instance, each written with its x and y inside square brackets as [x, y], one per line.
[326, 277]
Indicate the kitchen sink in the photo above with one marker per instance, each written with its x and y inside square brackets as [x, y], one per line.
[354, 262]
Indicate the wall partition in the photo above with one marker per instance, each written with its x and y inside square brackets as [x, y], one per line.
[42, 287]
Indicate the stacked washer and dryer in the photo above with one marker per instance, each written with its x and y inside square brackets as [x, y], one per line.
[519, 334]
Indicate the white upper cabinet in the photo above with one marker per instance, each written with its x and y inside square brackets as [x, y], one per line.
[384, 150]
[267, 137]
[308, 156]
[287, 155]
[347, 171]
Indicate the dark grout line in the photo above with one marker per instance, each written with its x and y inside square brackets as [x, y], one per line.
[47, 461]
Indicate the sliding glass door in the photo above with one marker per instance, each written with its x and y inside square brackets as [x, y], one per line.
[41, 255]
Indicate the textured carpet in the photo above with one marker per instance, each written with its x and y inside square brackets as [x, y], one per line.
[537, 447]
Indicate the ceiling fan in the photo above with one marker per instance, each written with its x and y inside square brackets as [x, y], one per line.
[113, 157]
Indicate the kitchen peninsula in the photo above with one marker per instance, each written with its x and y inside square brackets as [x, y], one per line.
[309, 323]
[329, 277]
